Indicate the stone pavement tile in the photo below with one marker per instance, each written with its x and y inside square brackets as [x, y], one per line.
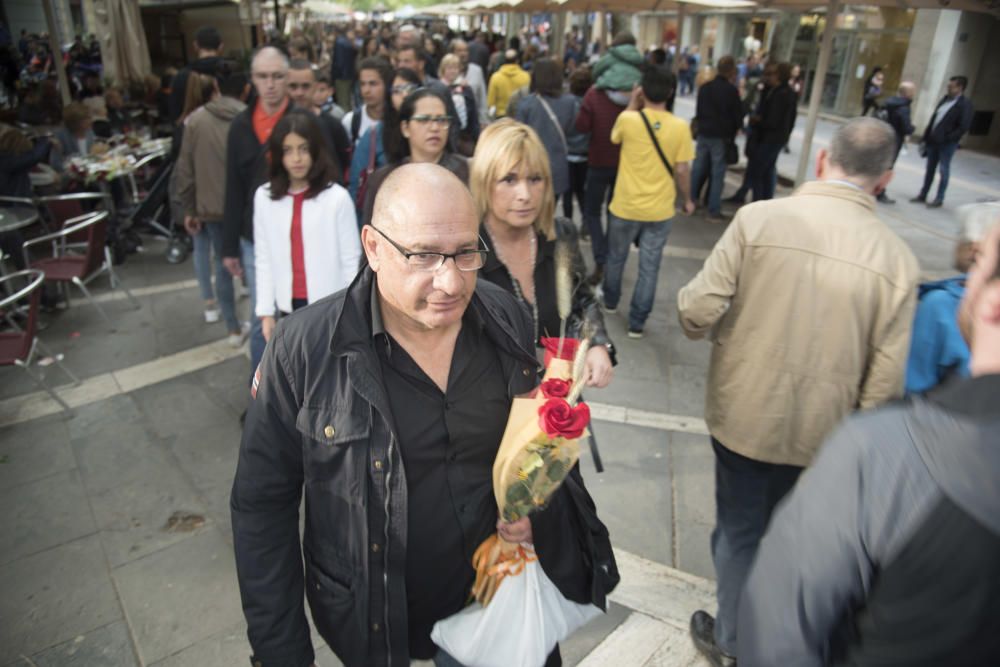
[43, 514]
[103, 417]
[580, 644]
[642, 394]
[178, 596]
[683, 351]
[33, 450]
[694, 548]
[644, 359]
[119, 453]
[208, 456]
[686, 390]
[227, 380]
[634, 642]
[694, 477]
[326, 658]
[180, 406]
[133, 517]
[177, 339]
[633, 493]
[182, 309]
[229, 647]
[109, 646]
[54, 596]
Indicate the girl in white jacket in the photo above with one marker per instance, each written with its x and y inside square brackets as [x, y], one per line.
[306, 243]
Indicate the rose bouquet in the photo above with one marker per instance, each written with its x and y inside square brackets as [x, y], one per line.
[519, 614]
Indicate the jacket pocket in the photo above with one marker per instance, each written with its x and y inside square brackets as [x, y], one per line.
[332, 603]
[327, 434]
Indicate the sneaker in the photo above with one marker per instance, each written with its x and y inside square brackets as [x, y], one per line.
[715, 218]
[703, 635]
[937, 203]
[608, 309]
[918, 200]
[635, 333]
[212, 315]
[237, 339]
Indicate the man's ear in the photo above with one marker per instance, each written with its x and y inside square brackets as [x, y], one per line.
[821, 162]
[369, 242]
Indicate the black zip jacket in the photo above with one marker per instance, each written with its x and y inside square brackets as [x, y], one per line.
[777, 116]
[320, 421]
[246, 170]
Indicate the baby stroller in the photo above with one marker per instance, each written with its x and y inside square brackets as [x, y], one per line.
[151, 213]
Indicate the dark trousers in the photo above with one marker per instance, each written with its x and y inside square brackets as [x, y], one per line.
[938, 154]
[762, 168]
[597, 195]
[746, 493]
[577, 187]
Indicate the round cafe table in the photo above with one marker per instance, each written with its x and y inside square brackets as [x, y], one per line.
[16, 217]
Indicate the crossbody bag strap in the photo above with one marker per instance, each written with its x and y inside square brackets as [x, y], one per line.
[659, 151]
[555, 121]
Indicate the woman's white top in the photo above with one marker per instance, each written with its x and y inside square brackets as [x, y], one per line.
[331, 246]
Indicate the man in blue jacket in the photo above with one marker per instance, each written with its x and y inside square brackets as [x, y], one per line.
[952, 119]
[937, 350]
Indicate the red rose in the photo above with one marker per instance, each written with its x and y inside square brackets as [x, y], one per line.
[551, 346]
[560, 420]
[555, 388]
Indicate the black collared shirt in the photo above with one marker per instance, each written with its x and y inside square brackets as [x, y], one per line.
[448, 441]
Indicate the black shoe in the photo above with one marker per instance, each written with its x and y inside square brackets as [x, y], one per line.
[703, 636]
[919, 199]
[937, 203]
[884, 198]
[735, 200]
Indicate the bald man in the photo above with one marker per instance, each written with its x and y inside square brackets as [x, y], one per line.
[247, 169]
[386, 402]
[896, 112]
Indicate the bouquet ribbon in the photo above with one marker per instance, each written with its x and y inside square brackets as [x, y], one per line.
[495, 560]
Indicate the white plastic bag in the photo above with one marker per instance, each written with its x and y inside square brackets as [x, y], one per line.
[519, 628]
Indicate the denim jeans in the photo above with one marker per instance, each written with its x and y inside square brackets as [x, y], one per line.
[208, 247]
[652, 237]
[709, 162]
[763, 172]
[257, 342]
[746, 493]
[938, 154]
[597, 195]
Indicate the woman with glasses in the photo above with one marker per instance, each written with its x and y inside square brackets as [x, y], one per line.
[369, 153]
[424, 126]
[306, 243]
[512, 187]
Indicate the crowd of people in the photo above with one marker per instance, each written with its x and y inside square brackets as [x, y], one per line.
[419, 189]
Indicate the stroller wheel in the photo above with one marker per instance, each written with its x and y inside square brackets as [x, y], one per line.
[177, 251]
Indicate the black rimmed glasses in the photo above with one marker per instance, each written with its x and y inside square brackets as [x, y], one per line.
[429, 262]
[427, 119]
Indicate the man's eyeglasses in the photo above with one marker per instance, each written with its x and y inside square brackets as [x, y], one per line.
[404, 89]
[430, 262]
[425, 119]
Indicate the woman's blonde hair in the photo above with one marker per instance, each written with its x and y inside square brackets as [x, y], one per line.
[448, 60]
[502, 147]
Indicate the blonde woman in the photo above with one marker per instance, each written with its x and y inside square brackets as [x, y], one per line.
[511, 184]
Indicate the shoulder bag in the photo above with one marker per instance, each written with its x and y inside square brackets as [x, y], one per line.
[656, 143]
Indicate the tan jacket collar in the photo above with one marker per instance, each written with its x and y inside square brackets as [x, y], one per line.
[839, 190]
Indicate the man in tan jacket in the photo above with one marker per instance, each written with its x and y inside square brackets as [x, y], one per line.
[809, 302]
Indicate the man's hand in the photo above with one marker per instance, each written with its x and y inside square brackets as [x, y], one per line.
[597, 367]
[637, 100]
[517, 532]
[233, 265]
[267, 327]
[689, 207]
[192, 225]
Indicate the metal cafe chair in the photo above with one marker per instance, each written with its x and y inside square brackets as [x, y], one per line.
[18, 346]
[64, 267]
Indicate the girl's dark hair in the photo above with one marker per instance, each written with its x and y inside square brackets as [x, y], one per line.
[323, 171]
[547, 77]
[392, 135]
[580, 80]
[406, 110]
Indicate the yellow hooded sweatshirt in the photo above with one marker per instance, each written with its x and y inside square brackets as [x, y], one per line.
[503, 84]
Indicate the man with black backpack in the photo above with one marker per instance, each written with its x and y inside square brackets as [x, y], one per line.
[655, 165]
[896, 112]
[374, 76]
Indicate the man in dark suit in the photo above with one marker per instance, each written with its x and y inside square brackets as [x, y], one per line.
[950, 121]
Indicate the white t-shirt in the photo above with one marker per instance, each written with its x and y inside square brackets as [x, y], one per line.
[366, 122]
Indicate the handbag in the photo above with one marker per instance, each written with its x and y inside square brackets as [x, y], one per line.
[659, 151]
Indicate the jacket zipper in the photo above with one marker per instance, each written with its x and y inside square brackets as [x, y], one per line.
[385, 567]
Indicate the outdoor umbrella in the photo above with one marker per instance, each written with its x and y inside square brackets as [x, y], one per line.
[833, 8]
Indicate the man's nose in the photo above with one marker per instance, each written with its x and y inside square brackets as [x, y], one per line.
[448, 278]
